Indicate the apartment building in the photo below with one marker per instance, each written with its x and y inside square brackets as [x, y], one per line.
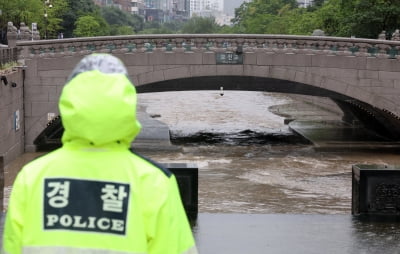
[131, 6]
[305, 3]
[152, 10]
[205, 7]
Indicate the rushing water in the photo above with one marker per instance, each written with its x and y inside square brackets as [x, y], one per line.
[262, 189]
[248, 159]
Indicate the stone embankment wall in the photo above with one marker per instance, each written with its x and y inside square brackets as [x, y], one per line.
[11, 115]
[306, 107]
[1, 186]
[319, 104]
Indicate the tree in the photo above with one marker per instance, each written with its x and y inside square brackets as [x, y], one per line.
[174, 26]
[160, 30]
[76, 9]
[330, 18]
[198, 25]
[259, 16]
[225, 29]
[369, 17]
[115, 16]
[318, 3]
[121, 30]
[51, 24]
[17, 11]
[302, 22]
[87, 26]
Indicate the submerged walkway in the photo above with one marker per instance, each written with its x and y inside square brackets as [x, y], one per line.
[339, 136]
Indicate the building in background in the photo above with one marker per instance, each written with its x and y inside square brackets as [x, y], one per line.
[305, 3]
[206, 8]
[180, 9]
[169, 10]
[131, 6]
[103, 2]
[135, 6]
[166, 10]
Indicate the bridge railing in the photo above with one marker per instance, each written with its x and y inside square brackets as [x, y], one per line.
[7, 56]
[215, 43]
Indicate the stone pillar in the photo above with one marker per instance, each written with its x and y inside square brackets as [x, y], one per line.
[318, 32]
[25, 32]
[396, 35]
[382, 35]
[12, 35]
[1, 184]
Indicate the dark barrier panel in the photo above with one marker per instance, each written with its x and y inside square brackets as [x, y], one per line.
[376, 190]
[50, 138]
[187, 178]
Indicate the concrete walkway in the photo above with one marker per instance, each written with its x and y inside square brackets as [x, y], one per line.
[154, 134]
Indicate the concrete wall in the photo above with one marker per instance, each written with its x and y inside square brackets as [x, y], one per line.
[12, 117]
[45, 80]
[1, 185]
[323, 103]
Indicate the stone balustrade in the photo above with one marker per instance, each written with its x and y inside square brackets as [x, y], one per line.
[288, 44]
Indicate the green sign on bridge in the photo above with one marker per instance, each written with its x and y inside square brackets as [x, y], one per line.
[229, 58]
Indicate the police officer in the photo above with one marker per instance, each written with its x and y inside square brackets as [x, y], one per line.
[93, 195]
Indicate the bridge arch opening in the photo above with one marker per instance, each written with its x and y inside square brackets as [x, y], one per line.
[380, 121]
[383, 123]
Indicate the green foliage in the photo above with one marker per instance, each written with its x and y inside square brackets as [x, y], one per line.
[18, 11]
[260, 16]
[302, 22]
[370, 17]
[161, 30]
[116, 17]
[226, 30]
[200, 25]
[361, 18]
[174, 26]
[87, 26]
[76, 9]
[165, 28]
[52, 24]
[330, 19]
[121, 30]
[151, 25]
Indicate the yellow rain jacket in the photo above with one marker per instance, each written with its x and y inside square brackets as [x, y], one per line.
[93, 195]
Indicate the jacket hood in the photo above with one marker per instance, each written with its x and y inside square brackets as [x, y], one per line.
[98, 103]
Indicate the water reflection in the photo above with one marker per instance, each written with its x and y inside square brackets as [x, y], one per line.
[294, 233]
[375, 236]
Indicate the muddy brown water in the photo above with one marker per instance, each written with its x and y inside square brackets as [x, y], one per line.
[273, 197]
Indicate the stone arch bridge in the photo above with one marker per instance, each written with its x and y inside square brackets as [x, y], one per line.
[361, 75]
